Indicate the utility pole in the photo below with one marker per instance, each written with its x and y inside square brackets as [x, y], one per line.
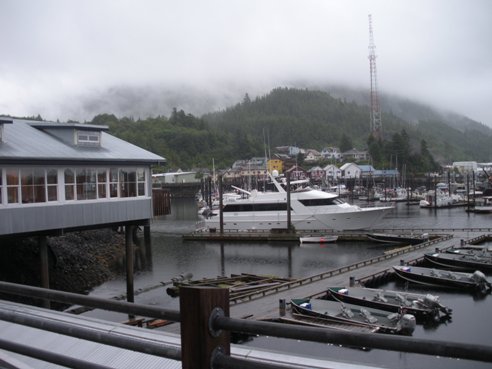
[375, 117]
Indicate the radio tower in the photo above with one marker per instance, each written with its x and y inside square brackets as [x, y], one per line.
[376, 125]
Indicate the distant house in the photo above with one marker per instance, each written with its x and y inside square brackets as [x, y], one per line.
[316, 174]
[297, 173]
[294, 151]
[312, 156]
[350, 170]
[356, 155]
[275, 164]
[331, 153]
[332, 173]
[56, 177]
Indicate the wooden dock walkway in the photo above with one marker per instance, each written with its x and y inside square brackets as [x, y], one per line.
[267, 307]
[264, 304]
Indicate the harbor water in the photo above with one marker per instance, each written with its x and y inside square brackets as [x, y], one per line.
[172, 257]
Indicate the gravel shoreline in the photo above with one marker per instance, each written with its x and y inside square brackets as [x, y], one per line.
[78, 261]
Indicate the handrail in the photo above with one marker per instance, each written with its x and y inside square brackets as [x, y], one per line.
[461, 350]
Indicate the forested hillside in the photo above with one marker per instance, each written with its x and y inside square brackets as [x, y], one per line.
[302, 117]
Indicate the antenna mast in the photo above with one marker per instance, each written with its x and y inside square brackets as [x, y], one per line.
[375, 118]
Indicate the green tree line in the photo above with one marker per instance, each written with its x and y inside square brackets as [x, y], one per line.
[300, 117]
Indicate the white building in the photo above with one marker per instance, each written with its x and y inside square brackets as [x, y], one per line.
[350, 170]
[331, 153]
[332, 173]
[465, 166]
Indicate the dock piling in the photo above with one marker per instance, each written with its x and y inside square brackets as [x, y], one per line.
[281, 303]
[200, 342]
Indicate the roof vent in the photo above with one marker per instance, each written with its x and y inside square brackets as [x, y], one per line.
[88, 138]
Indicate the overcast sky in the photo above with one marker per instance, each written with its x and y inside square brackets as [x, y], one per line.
[54, 51]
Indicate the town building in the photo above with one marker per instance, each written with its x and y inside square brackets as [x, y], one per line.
[275, 164]
[317, 174]
[332, 173]
[331, 153]
[56, 177]
[350, 170]
[312, 156]
[356, 155]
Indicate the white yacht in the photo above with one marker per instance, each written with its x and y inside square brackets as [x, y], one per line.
[310, 210]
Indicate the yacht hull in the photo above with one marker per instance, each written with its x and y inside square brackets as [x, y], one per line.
[363, 218]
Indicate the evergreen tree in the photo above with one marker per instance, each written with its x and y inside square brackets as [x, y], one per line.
[345, 143]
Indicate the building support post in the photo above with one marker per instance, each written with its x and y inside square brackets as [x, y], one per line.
[45, 267]
[148, 246]
[199, 340]
[130, 297]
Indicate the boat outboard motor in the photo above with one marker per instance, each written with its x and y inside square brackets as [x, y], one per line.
[407, 324]
[482, 281]
[432, 301]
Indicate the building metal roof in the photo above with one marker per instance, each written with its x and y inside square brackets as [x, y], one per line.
[31, 141]
[115, 357]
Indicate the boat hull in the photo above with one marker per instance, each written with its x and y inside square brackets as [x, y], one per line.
[438, 278]
[460, 262]
[333, 310]
[395, 239]
[318, 239]
[364, 218]
[395, 301]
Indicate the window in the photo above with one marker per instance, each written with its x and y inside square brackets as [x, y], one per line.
[101, 183]
[141, 181]
[13, 186]
[235, 208]
[69, 184]
[31, 185]
[113, 182]
[37, 185]
[88, 138]
[86, 184]
[128, 183]
[321, 202]
[52, 184]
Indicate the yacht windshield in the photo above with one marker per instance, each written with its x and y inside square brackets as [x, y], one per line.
[321, 202]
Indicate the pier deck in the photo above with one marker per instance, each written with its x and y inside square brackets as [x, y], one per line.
[265, 305]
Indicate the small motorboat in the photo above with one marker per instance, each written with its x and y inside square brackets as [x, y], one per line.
[398, 238]
[474, 282]
[461, 261]
[318, 239]
[382, 321]
[423, 307]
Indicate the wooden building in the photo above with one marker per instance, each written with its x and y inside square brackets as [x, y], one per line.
[56, 177]
[62, 177]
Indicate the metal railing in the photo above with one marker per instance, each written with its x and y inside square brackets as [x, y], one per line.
[214, 339]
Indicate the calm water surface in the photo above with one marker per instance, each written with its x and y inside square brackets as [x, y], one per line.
[172, 257]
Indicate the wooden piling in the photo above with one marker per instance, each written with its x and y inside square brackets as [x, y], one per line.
[198, 339]
[45, 274]
[130, 297]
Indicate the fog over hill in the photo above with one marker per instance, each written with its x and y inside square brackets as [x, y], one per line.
[150, 101]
